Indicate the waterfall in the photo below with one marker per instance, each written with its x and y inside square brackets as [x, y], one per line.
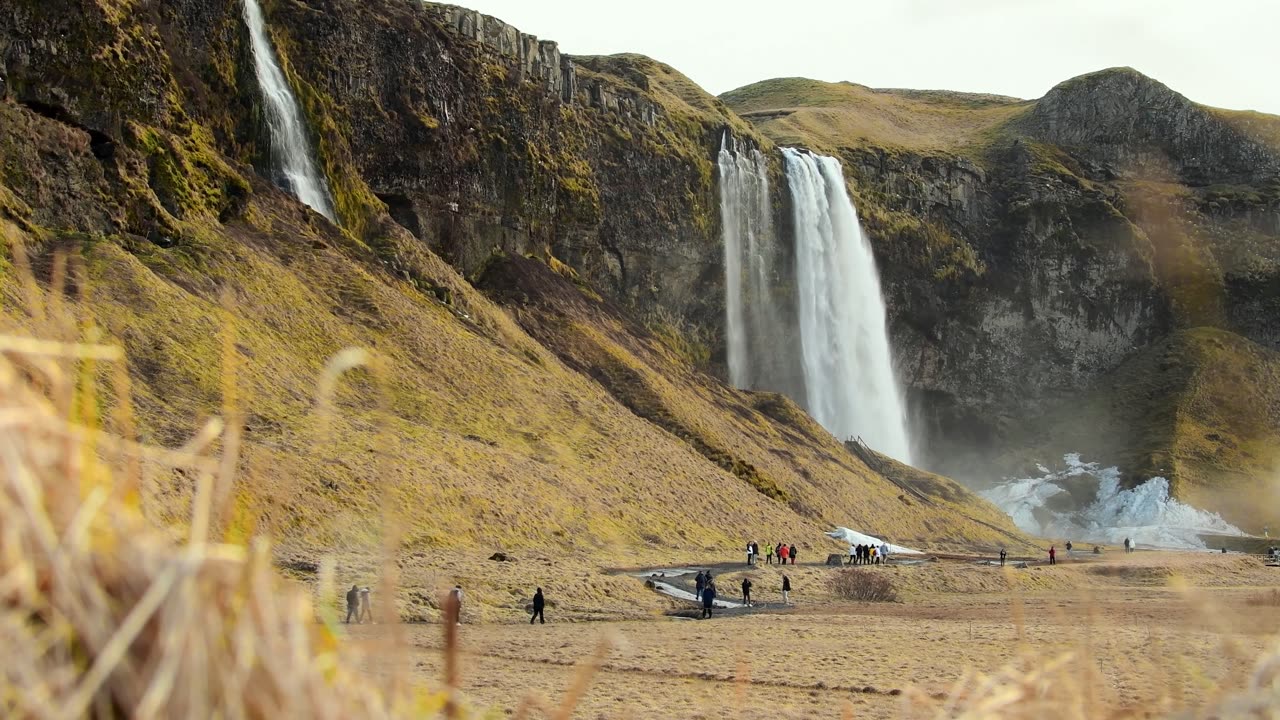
[850, 384]
[757, 336]
[293, 168]
[744, 215]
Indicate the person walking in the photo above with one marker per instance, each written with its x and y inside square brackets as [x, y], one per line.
[853, 554]
[792, 553]
[1068, 548]
[783, 553]
[353, 604]
[875, 556]
[750, 554]
[708, 600]
[1053, 555]
[768, 557]
[1003, 554]
[539, 603]
[1126, 545]
[746, 592]
[786, 590]
[884, 553]
[456, 593]
[366, 607]
[699, 583]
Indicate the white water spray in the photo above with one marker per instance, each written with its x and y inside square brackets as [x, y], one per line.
[1084, 502]
[850, 384]
[294, 168]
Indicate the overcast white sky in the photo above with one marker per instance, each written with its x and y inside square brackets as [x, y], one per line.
[1218, 52]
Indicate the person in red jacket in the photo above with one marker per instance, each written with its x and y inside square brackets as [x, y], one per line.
[783, 554]
[1053, 555]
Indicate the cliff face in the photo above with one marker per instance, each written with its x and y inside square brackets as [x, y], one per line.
[480, 138]
[1029, 249]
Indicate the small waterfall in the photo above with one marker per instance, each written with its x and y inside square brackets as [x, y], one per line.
[849, 377]
[293, 167]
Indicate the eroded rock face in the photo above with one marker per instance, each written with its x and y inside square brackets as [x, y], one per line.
[1140, 127]
[1010, 288]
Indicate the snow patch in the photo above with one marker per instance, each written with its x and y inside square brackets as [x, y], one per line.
[853, 537]
[1145, 514]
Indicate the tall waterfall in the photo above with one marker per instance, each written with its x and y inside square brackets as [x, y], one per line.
[850, 384]
[292, 165]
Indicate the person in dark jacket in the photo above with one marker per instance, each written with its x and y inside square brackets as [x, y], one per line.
[708, 599]
[1053, 555]
[746, 591]
[539, 602]
[786, 590]
[792, 554]
[1003, 555]
[699, 583]
[353, 604]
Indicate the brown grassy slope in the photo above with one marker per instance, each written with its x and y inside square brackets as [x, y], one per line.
[1201, 407]
[678, 95]
[825, 116]
[760, 437]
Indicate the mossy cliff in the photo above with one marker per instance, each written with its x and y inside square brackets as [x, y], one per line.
[1029, 249]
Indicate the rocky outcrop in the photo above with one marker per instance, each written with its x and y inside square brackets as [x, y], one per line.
[1137, 126]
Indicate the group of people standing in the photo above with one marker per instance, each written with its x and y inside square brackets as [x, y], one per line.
[782, 552]
[868, 554]
[705, 590]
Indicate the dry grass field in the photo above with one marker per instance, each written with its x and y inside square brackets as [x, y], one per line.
[1143, 635]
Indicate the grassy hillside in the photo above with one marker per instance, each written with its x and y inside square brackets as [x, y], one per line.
[826, 116]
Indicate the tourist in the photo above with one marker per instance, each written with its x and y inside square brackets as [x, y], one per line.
[539, 603]
[353, 604]
[1127, 545]
[884, 553]
[746, 592]
[456, 595]
[1053, 555]
[750, 553]
[783, 553]
[786, 590]
[792, 554]
[366, 608]
[1068, 547]
[708, 599]
[768, 557]
[755, 552]
[699, 583]
[875, 556]
[1002, 556]
[853, 554]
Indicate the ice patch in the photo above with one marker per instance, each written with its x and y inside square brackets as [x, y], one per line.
[853, 537]
[675, 592]
[1145, 514]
